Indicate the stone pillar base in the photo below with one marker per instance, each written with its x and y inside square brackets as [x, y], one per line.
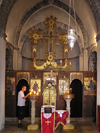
[68, 126]
[33, 127]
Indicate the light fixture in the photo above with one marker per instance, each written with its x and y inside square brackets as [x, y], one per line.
[72, 34]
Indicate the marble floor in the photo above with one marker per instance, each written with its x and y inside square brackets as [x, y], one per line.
[80, 127]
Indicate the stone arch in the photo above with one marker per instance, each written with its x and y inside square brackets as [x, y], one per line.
[38, 6]
[95, 7]
[6, 7]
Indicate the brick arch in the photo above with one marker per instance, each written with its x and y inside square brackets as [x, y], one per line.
[5, 9]
[95, 7]
[44, 4]
[7, 5]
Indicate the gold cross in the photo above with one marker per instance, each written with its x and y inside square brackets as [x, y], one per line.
[36, 37]
[47, 122]
[50, 23]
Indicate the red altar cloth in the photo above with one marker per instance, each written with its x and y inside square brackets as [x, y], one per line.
[47, 120]
[60, 117]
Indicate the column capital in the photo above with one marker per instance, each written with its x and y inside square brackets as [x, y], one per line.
[2, 34]
[81, 55]
[85, 48]
[98, 37]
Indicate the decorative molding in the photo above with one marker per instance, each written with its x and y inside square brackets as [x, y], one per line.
[44, 4]
[7, 5]
[8, 43]
[98, 37]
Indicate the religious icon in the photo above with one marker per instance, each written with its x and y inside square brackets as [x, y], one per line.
[10, 86]
[63, 86]
[35, 84]
[66, 51]
[47, 75]
[89, 86]
[49, 93]
[34, 52]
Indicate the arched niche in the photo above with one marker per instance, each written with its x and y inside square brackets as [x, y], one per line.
[76, 103]
[22, 82]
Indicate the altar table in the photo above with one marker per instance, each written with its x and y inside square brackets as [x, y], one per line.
[47, 119]
[51, 118]
[60, 117]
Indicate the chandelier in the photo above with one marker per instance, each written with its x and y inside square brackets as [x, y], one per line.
[72, 34]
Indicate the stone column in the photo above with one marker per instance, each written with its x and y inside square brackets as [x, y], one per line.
[81, 62]
[68, 108]
[2, 82]
[19, 57]
[33, 111]
[98, 72]
[15, 60]
[85, 60]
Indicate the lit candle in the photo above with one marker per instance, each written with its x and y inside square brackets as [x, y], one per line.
[64, 90]
[39, 90]
[61, 61]
[37, 93]
[30, 93]
[34, 92]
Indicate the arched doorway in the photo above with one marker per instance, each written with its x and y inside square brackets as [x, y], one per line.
[76, 103]
[21, 83]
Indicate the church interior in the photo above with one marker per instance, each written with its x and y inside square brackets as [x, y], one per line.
[52, 48]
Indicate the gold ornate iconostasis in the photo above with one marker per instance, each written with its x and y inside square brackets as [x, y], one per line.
[60, 103]
[49, 94]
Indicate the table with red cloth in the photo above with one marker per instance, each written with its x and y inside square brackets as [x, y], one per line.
[47, 120]
[60, 117]
[50, 120]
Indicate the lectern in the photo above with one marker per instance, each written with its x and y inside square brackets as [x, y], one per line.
[47, 119]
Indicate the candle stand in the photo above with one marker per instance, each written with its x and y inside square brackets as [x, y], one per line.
[33, 99]
[68, 98]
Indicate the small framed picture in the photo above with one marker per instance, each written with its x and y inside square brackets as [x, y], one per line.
[35, 84]
[63, 85]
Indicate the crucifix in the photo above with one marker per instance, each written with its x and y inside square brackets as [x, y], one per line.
[50, 23]
[36, 37]
[47, 122]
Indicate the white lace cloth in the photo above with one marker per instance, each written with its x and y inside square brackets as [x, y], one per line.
[60, 112]
[47, 115]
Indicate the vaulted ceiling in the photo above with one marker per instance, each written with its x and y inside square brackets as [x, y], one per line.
[15, 14]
